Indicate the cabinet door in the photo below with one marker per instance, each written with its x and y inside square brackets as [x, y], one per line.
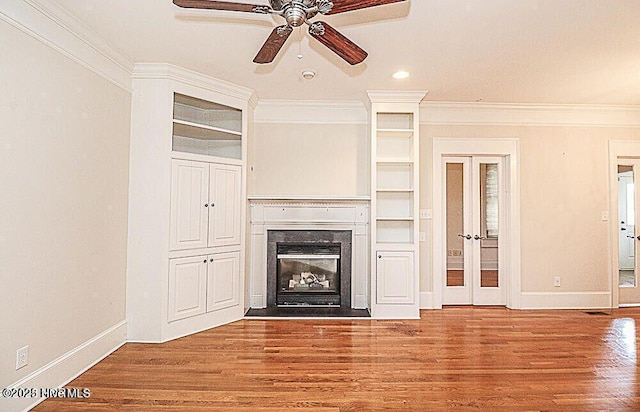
[189, 204]
[187, 287]
[395, 277]
[222, 280]
[224, 213]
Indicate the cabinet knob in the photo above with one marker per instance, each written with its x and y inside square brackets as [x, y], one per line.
[205, 261]
[379, 256]
[212, 204]
[206, 205]
[211, 260]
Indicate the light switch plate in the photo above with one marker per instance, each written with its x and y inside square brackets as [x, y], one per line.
[605, 216]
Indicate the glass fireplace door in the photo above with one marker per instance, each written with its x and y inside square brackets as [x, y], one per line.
[308, 275]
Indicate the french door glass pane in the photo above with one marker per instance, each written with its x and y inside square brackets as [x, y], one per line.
[489, 214]
[455, 224]
[626, 227]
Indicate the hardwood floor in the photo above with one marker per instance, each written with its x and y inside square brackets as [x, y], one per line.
[488, 278]
[460, 358]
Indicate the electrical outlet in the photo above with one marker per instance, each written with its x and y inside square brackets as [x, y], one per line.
[556, 281]
[425, 213]
[604, 216]
[22, 357]
[422, 236]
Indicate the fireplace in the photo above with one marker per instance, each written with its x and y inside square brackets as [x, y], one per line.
[309, 268]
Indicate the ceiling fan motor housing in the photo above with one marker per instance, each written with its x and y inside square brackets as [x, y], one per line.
[296, 12]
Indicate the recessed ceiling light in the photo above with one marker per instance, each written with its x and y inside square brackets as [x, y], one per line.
[308, 74]
[399, 75]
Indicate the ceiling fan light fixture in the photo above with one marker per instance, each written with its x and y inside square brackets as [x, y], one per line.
[308, 74]
[401, 74]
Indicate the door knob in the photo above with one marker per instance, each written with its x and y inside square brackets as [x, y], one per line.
[623, 228]
[464, 236]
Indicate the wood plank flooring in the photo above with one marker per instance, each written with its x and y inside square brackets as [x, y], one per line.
[488, 278]
[459, 358]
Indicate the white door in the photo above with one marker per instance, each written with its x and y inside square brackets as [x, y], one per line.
[224, 211]
[187, 287]
[628, 205]
[223, 278]
[395, 277]
[474, 198]
[189, 204]
[626, 218]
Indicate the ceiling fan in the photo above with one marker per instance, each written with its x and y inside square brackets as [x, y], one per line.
[297, 13]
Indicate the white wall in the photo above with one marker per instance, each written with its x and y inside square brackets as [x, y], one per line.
[63, 226]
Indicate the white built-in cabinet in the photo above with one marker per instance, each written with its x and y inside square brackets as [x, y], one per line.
[395, 138]
[205, 283]
[185, 269]
[205, 204]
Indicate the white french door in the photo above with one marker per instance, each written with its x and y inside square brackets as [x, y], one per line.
[474, 216]
[628, 207]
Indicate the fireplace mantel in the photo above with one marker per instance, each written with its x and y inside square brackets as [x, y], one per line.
[305, 213]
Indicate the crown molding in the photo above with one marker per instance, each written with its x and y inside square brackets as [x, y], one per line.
[310, 112]
[163, 71]
[49, 23]
[396, 96]
[503, 114]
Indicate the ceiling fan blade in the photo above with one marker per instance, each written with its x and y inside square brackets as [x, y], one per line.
[342, 6]
[337, 42]
[272, 46]
[221, 5]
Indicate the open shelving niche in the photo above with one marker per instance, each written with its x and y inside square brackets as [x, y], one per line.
[206, 128]
[394, 182]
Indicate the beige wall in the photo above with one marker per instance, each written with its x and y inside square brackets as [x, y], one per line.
[563, 188]
[309, 159]
[564, 174]
[63, 172]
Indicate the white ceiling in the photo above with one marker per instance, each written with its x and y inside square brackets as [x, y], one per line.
[508, 51]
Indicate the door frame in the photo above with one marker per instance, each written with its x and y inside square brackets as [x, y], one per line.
[508, 148]
[617, 150]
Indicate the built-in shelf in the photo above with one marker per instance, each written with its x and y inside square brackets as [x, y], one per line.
[395, 160]
[394, 203]
[206, 128]
[395, 132]
[204, 132]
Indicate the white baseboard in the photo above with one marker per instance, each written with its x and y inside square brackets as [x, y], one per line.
[560, 300]
[426, 300]
[67, 367]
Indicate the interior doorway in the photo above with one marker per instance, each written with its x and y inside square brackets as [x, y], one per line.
[624, 157]
[476, 222]
[628, 205]
[474, 198]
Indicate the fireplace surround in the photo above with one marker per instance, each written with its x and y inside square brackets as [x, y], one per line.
[309, 268]
[309, 214]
